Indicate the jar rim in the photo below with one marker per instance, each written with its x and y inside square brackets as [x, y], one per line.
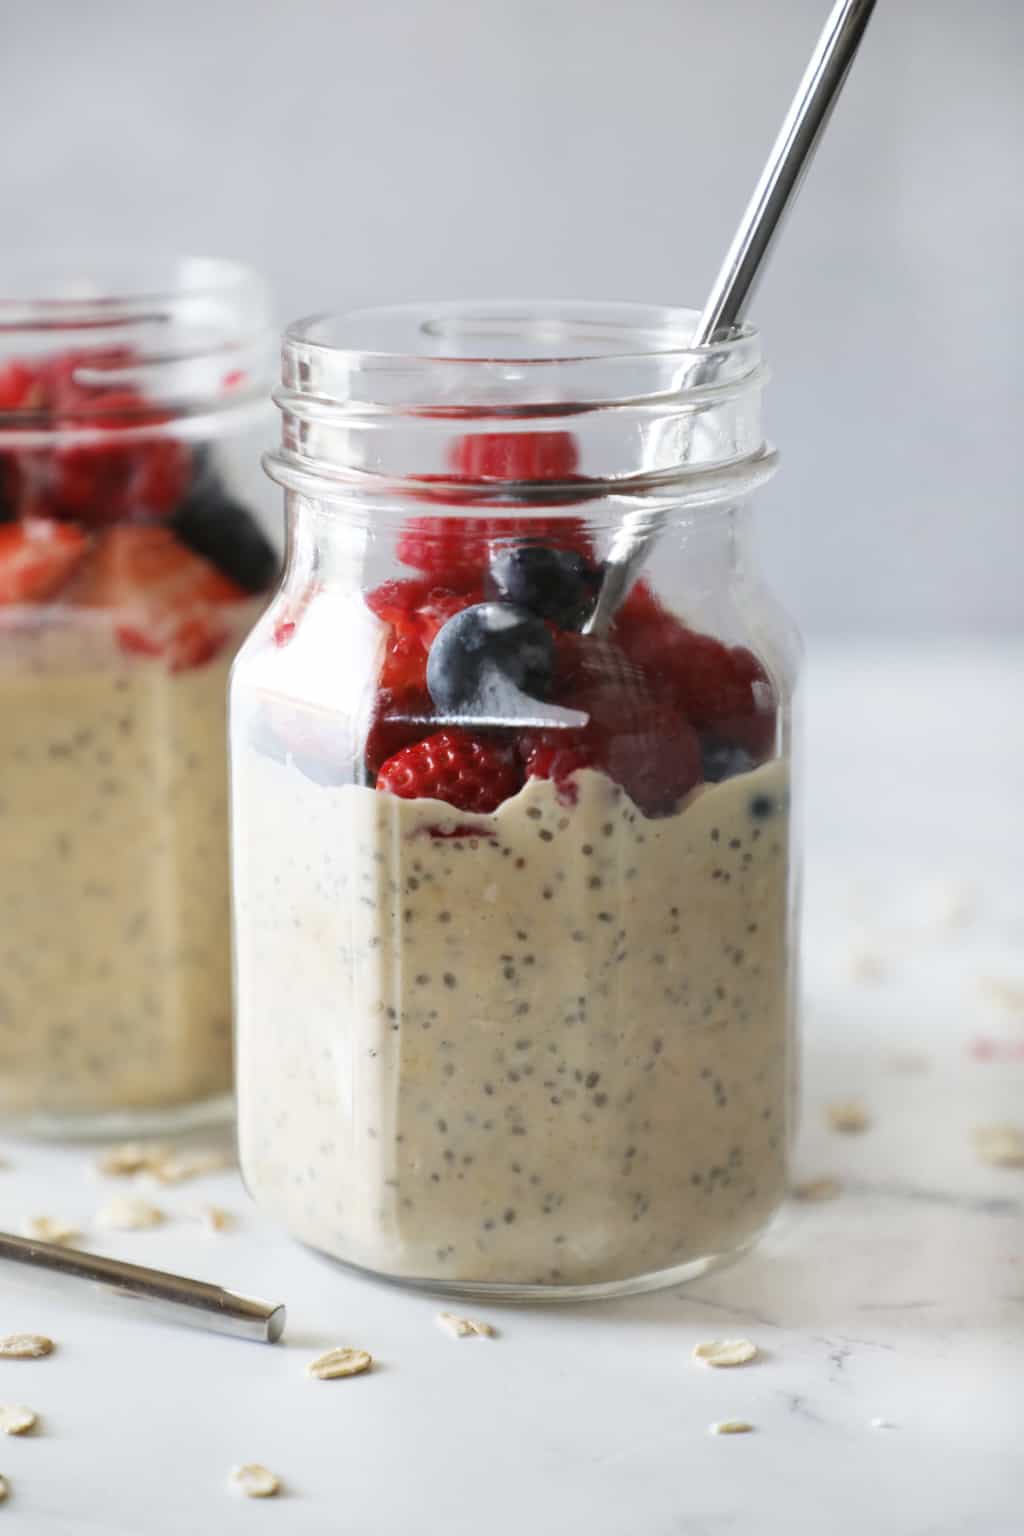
[419, 331]
[111, 284]
[396, 394]
[159, 339]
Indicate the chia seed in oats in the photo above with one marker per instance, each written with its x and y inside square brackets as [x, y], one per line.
[616, 1130]
[114, 947]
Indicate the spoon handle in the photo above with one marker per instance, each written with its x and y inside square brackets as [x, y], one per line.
[791, 154]
[174, 1297]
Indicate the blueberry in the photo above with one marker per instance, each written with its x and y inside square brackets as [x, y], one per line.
[490, 660]
[556, 584]
[721, 760]
[225, 533]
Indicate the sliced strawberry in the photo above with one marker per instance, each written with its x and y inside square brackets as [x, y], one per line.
[473, 773]
[400, 717]
[440, 605]
[166, 599]
[415, 610]
[515, 456]
[37, 556]
[397, 601]
[405, 663]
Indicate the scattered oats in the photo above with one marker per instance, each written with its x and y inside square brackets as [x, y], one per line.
[254, 1481]
[1008, 994]
[130, 1215]
[816, 1189]
[47, 1229]
[5, 1489]
[131, 1157]
[726, 1352]
[847, 1115]
[15, 1419]
[882, 1424]
[464, 1327]
[176, 1167]
[1000, 1145]
[215, 1218]
[868, 965]
[25, 1346]
[731, 1427]
[908, 1061]
[339, 1362]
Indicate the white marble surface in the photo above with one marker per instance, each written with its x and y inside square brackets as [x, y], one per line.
[902, 1300]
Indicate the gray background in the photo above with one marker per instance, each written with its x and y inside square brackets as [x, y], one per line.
[408, 149]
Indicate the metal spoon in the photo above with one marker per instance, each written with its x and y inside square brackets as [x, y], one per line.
[175, 1297]
[791, 154]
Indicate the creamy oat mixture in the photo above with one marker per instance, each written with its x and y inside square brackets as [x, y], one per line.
[114, 930]
[554, 1052]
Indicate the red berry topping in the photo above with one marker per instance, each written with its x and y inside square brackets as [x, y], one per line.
[397, 601]
[515, 456]
[415, 610]
[400, 717]
[470, 772]
[166, 598]
[405, 663]
[545, 756]
[21, 387]
[456, 551]
[640, 740]
[37, 556]
[108, 480]
[718, 688]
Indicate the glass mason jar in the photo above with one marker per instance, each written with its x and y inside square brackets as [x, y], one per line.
[514, 904]
[133, 407]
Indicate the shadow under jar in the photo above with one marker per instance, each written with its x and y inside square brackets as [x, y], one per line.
[514, 905]
[133, 408]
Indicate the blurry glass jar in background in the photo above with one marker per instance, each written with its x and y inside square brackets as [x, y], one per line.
[133, 407]
[514, 904]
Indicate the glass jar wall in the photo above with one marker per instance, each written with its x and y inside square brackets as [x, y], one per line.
[514, 903]
[133, 408]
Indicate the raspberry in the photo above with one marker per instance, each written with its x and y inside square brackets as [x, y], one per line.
[546, 755]
[515, 456]
[473, 773]
[457, 550]
[396, 601]
[712, 684]
[640, 740]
